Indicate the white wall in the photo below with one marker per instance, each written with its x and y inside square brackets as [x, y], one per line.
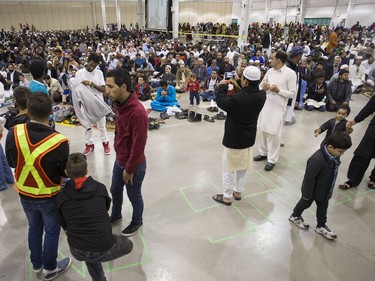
[62, 15]
[71, 14]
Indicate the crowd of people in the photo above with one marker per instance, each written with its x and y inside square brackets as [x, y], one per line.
[281, 69]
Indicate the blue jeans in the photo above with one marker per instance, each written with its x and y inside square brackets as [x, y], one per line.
[133, 191]
[42, 214]
[6, 175]
[121, 247]
[208, 95]
[196, 96]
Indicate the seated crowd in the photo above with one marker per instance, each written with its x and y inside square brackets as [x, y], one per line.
[331, 71]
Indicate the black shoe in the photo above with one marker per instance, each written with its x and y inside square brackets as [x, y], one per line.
[197, 118]
[115, 220]
[131, 229]
[269, 166]
[191, 115]
[259, 158]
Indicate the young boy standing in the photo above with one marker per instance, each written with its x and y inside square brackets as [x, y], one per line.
[337, 124]
[319, 181]
[193, 88]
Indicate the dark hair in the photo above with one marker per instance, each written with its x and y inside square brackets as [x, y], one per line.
[93, 57]
[121, 76]
[46, 77]
[340, 140]
[76, 166]
[320, 75]
[343, 71]
[20, 95]
[37, 68]
[163, 83]
[281, 55]
[345, 107]
[39, 105]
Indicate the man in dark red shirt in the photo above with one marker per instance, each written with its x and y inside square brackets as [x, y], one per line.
[130, 141]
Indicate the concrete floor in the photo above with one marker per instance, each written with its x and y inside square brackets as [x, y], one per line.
[189, 237]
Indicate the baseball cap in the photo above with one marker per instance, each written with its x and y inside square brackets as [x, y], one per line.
[252, 73]
[296, 50]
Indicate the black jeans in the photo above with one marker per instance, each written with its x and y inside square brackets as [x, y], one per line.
[121, 247]
[357, 169]
[321, 210]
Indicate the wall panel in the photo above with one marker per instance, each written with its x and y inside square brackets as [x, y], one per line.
[71, 14]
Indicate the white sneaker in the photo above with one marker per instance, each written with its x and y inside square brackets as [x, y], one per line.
[299, 221]
[326, 232]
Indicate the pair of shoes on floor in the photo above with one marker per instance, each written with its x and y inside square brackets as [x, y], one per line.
[325, 231]
[164, 115]
[153, 126]
[213, 109]
[194, 117]
[208, 119]
[269, 166]
[131, 229]
[62, 266]
[181, 115]
[220, 116]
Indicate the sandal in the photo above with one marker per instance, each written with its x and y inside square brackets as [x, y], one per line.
[220, 198]
[237, 195]
[208, 119]
[345, 186]
[371, 185]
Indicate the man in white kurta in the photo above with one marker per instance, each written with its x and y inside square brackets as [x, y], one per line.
[92, 77]
[357, 74]
[280, 85]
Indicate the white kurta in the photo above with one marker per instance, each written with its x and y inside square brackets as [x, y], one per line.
[272, 115]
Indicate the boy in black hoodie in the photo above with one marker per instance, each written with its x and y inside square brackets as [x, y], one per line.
[82, 206]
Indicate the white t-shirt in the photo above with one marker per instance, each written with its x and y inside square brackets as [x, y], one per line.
[96, 77]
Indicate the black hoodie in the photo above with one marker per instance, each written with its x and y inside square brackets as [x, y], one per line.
[84, 214]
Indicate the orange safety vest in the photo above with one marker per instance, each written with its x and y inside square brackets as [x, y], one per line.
[31, 179]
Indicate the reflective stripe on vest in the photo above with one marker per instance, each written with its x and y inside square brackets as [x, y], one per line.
[29, 163]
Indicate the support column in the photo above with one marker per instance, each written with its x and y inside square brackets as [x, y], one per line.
[175, 16]
[118, 14]
[94, 13]
[267, 10]
[104, 15]
[140, 14]
[244, 22]
[334, 14]
[302, 6]
[348, 12]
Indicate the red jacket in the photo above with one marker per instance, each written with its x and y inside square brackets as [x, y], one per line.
[192, 86]
[130, 133]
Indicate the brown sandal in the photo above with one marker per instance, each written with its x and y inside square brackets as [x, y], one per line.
[237, 195]
[220, 198]
[371, 185]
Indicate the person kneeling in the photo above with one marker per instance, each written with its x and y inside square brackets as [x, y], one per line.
[82, 206]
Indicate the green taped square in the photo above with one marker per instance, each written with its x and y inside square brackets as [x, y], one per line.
[199, 196]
